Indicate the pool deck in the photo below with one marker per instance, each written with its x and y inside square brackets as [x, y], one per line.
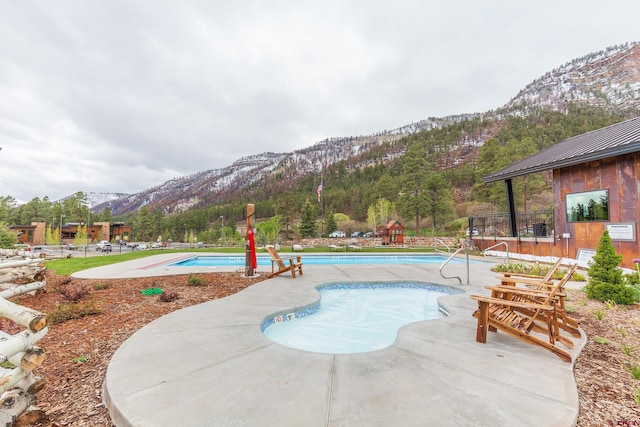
[209, 365]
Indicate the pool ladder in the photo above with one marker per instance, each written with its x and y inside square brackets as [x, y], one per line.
[484, 253]
[436, 248]
[449, 259]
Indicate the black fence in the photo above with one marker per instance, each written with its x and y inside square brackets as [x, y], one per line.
[531, 224]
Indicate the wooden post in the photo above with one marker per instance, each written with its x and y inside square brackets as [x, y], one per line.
[483, 320]
[248, 263]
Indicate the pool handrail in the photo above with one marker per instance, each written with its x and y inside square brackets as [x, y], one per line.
[496, 245]
[435, 246]
[449, 259]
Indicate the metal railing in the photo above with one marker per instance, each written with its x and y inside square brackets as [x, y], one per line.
[436, 248]
[449, 259]
[536, 224]
[484, 253]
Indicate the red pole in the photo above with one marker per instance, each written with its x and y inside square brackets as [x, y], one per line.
[250, 249]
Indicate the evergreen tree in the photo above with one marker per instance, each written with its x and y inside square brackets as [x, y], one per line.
[308, 225]
[285, 209]
[414, 199]
[605, 275]
[330, 224]
[441, 205]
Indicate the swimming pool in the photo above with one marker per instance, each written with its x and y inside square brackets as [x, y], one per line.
[231, 260]
[356, 317]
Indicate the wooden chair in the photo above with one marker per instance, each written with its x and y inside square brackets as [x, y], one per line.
[509, 316]
[530, 279]
[537, 291]
[294, 263]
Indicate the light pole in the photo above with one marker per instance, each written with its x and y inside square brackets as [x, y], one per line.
[86, 247]
[222, 230]
[61, 216]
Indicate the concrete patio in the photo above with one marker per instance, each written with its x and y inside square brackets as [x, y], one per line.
[210, 365]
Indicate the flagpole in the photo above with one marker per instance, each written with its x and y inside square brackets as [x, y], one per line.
[321, 200]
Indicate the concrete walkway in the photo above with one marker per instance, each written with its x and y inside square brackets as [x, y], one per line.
[209, 365]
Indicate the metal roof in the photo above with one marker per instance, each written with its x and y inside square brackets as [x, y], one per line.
[615, 140]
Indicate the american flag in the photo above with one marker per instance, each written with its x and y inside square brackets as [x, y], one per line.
[319, 190]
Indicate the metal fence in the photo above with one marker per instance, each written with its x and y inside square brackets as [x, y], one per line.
[530, 224]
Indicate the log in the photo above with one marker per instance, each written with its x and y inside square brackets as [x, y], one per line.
[33, 272]
[29, 417]
[13, 346]
[24, 316]
[9, 253]
[32, 358]
[13, 403]
[18, 263]
[21, 289]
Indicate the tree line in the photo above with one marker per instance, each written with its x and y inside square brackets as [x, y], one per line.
[436, 179]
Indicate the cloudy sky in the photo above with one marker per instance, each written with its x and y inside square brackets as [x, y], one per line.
[120, 96]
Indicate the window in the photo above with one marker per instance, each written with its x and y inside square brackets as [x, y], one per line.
[588, 206]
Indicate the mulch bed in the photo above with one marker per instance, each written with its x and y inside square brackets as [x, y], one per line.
[78, 350]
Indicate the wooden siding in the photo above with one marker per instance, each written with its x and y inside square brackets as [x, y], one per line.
[619, 175]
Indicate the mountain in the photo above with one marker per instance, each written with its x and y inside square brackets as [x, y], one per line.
[608, 78]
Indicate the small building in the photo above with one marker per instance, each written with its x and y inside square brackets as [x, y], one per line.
[596, 187]
[35, 233]
[32, 234]
[392, 233]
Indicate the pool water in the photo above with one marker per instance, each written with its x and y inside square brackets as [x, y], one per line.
[358, 318]
[227, 260]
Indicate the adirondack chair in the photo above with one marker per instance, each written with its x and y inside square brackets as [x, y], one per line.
[537, 291]
[293, 264]
[529, 279]
[508, 316]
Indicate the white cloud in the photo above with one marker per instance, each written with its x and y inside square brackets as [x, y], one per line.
[121, 96]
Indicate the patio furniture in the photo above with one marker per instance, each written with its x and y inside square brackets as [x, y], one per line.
[526, 320]
[293, 264]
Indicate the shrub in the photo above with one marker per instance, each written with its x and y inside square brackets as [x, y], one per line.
[74, 293]
[80, 359]
[633, 281]
[601, 340]
[633, 369]
[73, 310]
[168, 296]
[620, 293]
[605, 275]
[101, 286]
[194, 280]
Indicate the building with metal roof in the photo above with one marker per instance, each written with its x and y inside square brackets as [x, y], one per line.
[595, 187]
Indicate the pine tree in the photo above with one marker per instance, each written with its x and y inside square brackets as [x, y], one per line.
[330, 224]
[605, 275]
[308, 225]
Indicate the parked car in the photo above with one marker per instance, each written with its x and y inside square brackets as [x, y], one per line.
[357, 234]
[143, 246]
[369, 234]
[338, 233]
[473, 232]
[103, 246]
